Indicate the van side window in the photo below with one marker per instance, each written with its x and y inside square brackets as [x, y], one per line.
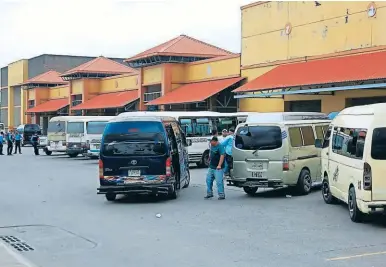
[349, 142]
[308, 136]
[295, 136]
[326, 141]
[378, 144]
[319, 132]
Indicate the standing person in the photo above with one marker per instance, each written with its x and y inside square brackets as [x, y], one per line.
[9, 143]
[228, 143]
[215, 170]
[224, 133]
[18, 138]
[34, 141]
[1, 143]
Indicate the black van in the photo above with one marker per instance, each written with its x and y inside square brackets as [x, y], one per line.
[27, 130]
[143, 155]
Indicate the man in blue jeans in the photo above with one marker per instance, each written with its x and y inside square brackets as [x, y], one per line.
[216, 169]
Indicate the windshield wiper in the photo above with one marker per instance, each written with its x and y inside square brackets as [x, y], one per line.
[260, 147]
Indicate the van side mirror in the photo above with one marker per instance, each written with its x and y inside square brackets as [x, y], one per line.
[318, 143]
[188, 142]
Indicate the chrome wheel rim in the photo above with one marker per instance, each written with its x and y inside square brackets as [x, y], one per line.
[307, 183]
[326, 190]
[351, 204]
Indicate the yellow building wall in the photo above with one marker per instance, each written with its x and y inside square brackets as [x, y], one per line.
[178, 73]
[315, 30]
[152, 75]
[59, 92]
[259, 104]
[77, 87]
[17, 73]
[120, 83]
[92, 86]
[214, 69]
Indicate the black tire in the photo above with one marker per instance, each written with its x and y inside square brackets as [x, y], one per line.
[251, 191]
[326, 192]
[72, 155]
[355, 214]
[174, 194]
[111, 197]
[304, 182]
[204, 160]
[187, 183]
[48, 153]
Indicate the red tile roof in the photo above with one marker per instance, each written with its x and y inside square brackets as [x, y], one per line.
[49, 106]
[101, 65]
[183, 45]
[362, 67]
[49, 77]
[110, 100]
[194, 92]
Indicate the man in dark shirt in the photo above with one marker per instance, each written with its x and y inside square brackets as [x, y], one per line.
[216, 169]
[10, 139]
[35, 142]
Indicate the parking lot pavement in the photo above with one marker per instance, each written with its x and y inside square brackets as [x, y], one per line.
[50, 203]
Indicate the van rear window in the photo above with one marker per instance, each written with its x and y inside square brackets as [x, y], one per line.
[134, 138]
[258, 137]
[378, 145]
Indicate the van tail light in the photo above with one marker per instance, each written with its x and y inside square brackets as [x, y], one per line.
[367, 177]
[285, 163]
[169, 167]
[101, 176]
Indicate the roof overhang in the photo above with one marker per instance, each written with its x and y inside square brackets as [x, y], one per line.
[87, 75]
[27, 86]
[327, 89]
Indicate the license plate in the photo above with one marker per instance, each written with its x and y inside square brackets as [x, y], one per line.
[257, 175]
[134, 173]
[258, 166]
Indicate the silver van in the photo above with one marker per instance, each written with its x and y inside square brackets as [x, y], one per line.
[277, 150]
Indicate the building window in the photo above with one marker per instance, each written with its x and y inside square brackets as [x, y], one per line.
[31, 103]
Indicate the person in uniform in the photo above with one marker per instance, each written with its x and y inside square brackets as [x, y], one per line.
[1, 143]
[17, 142]
[35, 141]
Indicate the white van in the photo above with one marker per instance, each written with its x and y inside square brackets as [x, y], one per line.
[84, 135]
[277, 150]
[353, 160]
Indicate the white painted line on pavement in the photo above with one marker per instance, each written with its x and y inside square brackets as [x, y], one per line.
[357, 256]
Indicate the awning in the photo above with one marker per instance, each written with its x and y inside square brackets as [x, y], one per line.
[49, 106]
[109, 100]
[194, 92]
[364, 67]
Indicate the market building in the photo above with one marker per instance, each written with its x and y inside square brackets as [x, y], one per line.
[30, 82]
[312, 56]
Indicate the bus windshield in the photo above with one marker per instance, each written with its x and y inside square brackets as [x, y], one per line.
[56, 127]
[96, 127]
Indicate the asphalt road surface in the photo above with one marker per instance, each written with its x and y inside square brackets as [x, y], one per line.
[50, 204]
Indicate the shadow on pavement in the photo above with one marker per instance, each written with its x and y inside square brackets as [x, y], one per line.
[141, 199]
[280, 193]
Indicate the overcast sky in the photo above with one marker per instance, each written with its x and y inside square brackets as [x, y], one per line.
[112, 28]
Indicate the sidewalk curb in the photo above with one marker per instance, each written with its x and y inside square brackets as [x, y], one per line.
[14, 259]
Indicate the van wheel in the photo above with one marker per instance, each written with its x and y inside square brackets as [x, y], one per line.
[72, 155]
[48, 153]
[187, 180]
[327, 196]
[111, 197]
[205, 160]
[304, 183]
[250, 190]
[355, 214]
[174, 194]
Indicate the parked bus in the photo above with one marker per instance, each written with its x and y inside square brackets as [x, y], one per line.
[56, 134]
[198, 126]
[84, 135]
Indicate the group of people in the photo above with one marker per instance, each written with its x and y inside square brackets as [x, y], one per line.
[12, 139]
[220, 162]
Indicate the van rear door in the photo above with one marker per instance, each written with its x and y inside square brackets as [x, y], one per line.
[378, 164]
[135, 150]
[258, 152]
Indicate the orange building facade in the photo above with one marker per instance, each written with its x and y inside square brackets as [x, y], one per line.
[181, 74]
